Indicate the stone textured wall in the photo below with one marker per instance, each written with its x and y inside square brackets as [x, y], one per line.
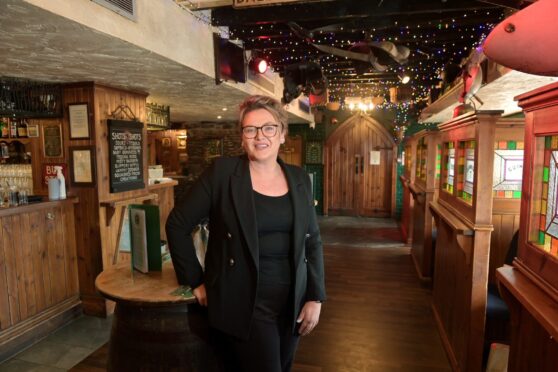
[204, 141]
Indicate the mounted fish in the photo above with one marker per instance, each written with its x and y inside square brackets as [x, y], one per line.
[527, 41]
[379, 55]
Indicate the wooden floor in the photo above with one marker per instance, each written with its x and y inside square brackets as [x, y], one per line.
[377, 317]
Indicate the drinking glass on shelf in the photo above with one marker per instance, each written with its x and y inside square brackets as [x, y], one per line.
[22, 197]
[13, 199]
[2, 193]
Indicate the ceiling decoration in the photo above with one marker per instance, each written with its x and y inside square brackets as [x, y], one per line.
[364, 47]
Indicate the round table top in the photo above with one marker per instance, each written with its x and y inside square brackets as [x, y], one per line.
[122, 284]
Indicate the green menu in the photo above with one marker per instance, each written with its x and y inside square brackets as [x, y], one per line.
[145, 237]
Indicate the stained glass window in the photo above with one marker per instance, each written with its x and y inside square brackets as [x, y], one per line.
[466, 169]
[408, 159]
[438, 161]
[449, 167]
[544, 222]
[422, 153]
[508, 169]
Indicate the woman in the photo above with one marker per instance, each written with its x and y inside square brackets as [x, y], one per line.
[264, 278]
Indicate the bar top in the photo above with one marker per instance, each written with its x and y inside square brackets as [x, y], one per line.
[32, 207]
[122, 284]
[162, 185]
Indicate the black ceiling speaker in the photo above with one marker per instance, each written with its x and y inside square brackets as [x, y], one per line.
[304, 77]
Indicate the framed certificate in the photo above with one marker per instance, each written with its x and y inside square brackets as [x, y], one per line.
[79, 121]
[82, 165]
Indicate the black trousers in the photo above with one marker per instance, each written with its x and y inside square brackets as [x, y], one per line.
[270, 348]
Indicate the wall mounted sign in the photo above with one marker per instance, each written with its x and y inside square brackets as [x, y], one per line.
[52, 141]
[79, 121]
[125, 155]
[375, 157]
[48, 171]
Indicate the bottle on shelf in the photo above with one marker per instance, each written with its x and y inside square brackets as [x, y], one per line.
[4, 128]
[22, 129]
[13, 128]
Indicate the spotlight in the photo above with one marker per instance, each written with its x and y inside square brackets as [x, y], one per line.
[258, 65]
[404, 78]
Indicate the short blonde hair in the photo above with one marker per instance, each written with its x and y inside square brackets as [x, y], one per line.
[271, 105]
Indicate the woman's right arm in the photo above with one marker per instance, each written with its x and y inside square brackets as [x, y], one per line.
[182, 220]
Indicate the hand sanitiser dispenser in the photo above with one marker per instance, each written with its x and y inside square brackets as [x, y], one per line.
[60, 185]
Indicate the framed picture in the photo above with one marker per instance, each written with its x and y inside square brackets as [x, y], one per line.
[32, 130]
[52, 141]
[79, 121]
[166, 142]
[214, 148]
[181, 142]
[82, 165]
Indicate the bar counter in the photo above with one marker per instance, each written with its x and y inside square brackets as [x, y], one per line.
[39, 289]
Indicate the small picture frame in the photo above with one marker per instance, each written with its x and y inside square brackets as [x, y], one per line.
[214, 148]
[52, 141]
[32, 130]
[82, 165]
[181, 142]
[166, 142]
[78, 116]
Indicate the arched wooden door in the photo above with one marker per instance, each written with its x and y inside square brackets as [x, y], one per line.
[360, 169]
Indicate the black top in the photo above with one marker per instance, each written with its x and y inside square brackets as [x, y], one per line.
[274, 215]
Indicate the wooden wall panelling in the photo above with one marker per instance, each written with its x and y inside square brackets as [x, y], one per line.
[86, 213]
[107, 100]
[33, 269]
[505, 226]
[423, 192]
[29, 274]
[69, 237]
[11, 268]
[38, 252]
[408, 177]
[165, 201]
[5, 308]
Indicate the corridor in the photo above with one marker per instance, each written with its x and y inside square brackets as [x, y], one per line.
[377, 317]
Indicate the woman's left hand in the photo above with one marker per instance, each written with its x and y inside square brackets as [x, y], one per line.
[309, 317]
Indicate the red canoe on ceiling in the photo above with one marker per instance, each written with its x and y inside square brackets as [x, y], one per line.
[527, 41]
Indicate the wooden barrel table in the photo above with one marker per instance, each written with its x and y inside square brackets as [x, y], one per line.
[153, 329]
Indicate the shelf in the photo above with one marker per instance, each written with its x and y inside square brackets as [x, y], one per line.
[22, 140]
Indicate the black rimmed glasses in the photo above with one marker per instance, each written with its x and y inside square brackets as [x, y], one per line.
[269, 130]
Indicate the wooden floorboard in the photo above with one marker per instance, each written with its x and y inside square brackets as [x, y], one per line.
[377, 317]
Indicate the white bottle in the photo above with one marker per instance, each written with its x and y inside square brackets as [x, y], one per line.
[60, 177]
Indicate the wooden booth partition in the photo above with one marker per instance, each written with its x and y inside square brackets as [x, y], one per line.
[424, 189]
[463, 214]
[360, 169]
[408, 177]
[530, 287]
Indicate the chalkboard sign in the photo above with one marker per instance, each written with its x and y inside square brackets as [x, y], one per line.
[126, 155]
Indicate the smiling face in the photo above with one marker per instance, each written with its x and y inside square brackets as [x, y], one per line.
[262, 148]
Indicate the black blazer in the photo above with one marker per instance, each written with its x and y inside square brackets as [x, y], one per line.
[224, 194]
